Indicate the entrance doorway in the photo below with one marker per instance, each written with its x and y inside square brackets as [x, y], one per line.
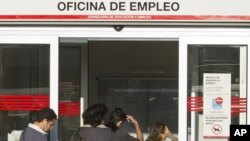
[139, 76]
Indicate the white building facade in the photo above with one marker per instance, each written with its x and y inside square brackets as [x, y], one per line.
[184, 64]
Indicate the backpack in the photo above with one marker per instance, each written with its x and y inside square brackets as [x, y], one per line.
[78, 137]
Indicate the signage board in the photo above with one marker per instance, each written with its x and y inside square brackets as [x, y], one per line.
[125, 10]
[216, 105]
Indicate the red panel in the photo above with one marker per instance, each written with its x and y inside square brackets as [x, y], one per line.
[26, 102]
[125, 17]
[23, 102]
[238, 105]
[195, 104]
[69, 108]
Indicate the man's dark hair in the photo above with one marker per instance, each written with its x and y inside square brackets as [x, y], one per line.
[94, 115]
[45, 113]
[115, 116]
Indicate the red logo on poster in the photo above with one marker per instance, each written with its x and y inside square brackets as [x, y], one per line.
[219, 100]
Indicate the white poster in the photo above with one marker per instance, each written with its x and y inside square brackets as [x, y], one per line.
[216, 105]
[14, 135]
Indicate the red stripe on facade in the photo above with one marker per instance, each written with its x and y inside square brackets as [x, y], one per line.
[128, 17]
[26, 102]
[238, 105]
[69, 108]
[23, 102]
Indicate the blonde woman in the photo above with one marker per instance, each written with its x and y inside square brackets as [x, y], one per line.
[160, 132]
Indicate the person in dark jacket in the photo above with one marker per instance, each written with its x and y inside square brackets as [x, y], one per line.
[94, 128]
[117, 118]
[42, 121]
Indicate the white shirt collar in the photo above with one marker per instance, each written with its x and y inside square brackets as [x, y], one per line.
[35, 127]
[99, 126]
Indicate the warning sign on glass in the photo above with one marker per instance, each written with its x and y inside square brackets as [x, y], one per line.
[217, 105]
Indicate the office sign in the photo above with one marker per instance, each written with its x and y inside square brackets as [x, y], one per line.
[124, 10]
[217, 105]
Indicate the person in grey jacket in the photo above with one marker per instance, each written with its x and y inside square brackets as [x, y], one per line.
[94, 128]
[42, 122]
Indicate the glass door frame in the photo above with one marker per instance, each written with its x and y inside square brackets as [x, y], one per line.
[53, 82]
[183, 72]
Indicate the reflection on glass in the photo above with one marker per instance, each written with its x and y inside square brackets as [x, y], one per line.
[149, 100]
[24, 85]
[69, 90]
[224, 59]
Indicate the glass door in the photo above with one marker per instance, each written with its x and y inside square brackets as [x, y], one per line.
[28, 81]
[213, 87]
[73, 84]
